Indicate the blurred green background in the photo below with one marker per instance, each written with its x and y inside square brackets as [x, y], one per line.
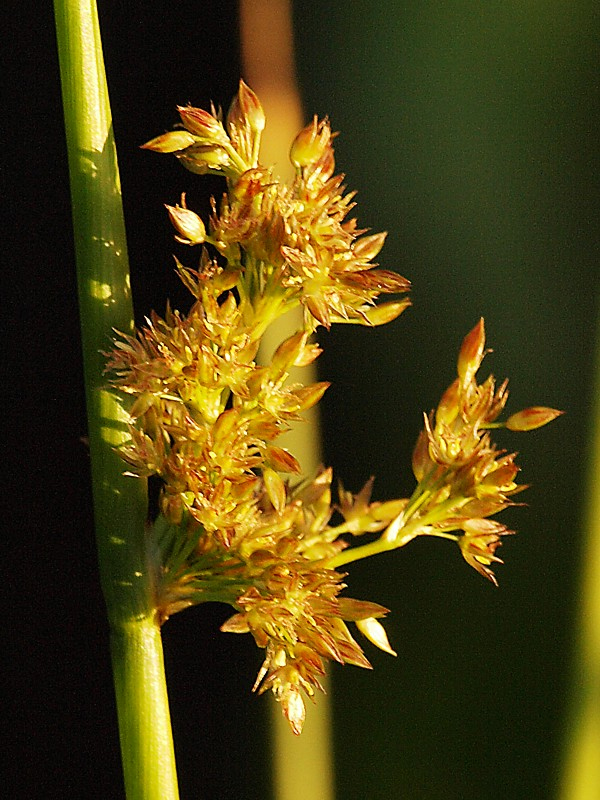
[470, 130]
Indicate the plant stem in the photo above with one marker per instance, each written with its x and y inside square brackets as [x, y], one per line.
[144, 722]
[120, 503]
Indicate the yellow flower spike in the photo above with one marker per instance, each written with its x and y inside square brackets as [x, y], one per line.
[375, 633]
[531, 418]
[207, 417]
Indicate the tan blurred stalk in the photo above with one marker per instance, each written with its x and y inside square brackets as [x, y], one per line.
[580, 779]
[302, 766]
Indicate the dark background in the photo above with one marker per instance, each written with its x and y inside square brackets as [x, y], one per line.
[471, 133]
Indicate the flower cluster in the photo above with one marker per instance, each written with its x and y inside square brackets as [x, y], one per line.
[237, 522]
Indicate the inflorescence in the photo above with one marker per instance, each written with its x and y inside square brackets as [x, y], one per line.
[237, 522]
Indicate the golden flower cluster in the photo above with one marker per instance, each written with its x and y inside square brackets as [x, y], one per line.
[235, 522]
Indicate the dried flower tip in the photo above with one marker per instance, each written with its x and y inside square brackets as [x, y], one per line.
[471, 353]
[353, 610]
[309, 354]
[236, 624]
[367, 247]
[203, 124]
[383, 313]
[309, 396]
[449, 405]
[251, 108]
[187, 223]
[170, 142]
[293, 708]
[280, 459]
[531, 418]
[479, 543]
[375, 633]
[311, 143]
[287, 354]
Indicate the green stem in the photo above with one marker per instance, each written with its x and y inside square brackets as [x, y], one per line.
[362, 551]
[403, 529]
[144, 722]
[120, 503]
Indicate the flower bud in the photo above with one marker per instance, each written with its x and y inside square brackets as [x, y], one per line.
[383, 313]
[238, 623]
[379, 280]
[367, 247]
[281, 459]
[311, 143]
[319, 309]
[471, 353]
[483, 527]
[251, 108]
[170, 142]
[309, 354]
[249, 185]
[375, 633]
[286, 355]
[421, 460]
[293, 708]
[308, 396]
[531, 418]
[448, 407]
[275, 488]
[226, 424]
[187, 223]
[203, 124]
[203, 158]
[352, 610]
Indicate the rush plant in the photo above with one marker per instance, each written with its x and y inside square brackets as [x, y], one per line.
[187, 400]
